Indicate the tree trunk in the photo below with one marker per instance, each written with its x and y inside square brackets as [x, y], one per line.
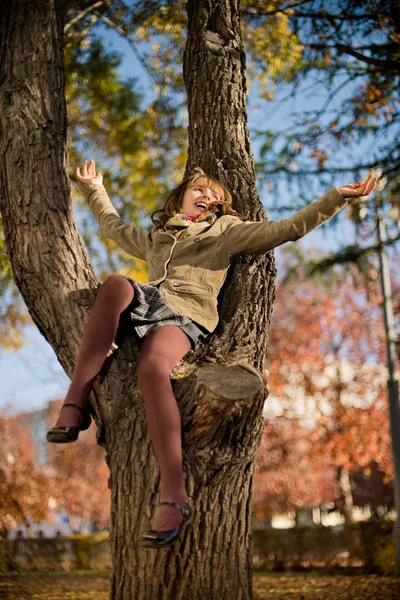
[218, 387]
[343, 475]
[219, 142]
[346, 495]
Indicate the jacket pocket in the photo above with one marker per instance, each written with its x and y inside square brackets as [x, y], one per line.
[189, 287]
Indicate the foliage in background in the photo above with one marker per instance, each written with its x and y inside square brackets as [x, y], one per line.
[327, 411]
[13, 313]
[79, 477]
[285, 479]
[73, 478]
[24, 487]
[350, 73]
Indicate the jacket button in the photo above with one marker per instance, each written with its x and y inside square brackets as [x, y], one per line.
[197, 239]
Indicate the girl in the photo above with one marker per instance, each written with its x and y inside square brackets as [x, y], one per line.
[188, 255]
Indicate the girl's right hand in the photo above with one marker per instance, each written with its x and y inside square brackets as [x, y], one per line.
[89, 174]
[353, 191]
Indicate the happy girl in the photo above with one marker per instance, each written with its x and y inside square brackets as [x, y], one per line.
[188, 255]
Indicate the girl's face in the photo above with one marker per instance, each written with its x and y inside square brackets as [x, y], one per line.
[196, 199]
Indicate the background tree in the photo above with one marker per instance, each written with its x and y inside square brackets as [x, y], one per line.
[79, 477]
[24, 487]
[341, 105]
[350, 57]
[372, 488]
[221, 405]
[301, 468]
[75, 478]
[326, 350]
[287, 479]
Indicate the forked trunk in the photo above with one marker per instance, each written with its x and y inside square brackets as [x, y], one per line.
[221, 405]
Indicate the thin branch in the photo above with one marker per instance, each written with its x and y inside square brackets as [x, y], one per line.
[266, 13]
[330, 17]
[370, 61]
[372, 165]
[321, 16]
[132, 45]
[333, 95]
[349, 254]
[383, 64]
[83, 14]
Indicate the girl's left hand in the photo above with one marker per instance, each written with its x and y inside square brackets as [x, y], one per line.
[362, 188]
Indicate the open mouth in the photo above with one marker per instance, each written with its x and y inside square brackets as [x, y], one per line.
[201, 205]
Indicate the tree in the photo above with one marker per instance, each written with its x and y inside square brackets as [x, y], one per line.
[287, 477]
[327, 346]
[221, 404]
[141, 142]
[350, 57]
[348, 43]
[24, 487]
[106, 110]
[79, 478]
[344, 99]
[76, 478]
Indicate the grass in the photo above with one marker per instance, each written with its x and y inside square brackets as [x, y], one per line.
[94, 585]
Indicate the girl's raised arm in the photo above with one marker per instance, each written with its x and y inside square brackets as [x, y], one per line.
[259, 237]
[133, 240]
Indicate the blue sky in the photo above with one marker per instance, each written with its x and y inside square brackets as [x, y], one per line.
[31, 377]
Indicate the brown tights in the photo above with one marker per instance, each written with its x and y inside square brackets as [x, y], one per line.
[159, 353]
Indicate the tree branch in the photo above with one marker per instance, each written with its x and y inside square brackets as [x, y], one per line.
[367, 59]
[321, 16]
[132, 45]
[349, 254]
[267, 13]
[332, 95]
[83, 14]
[330, 17]
[372, 165]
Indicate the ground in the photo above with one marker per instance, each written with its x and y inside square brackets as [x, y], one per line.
[89, 585]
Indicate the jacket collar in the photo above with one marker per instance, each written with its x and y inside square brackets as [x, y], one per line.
[191, 231]
[195, 228]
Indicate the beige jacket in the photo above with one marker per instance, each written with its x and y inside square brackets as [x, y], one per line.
[191, 270]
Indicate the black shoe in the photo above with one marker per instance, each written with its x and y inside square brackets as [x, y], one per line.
[64, 435]
[160, 539]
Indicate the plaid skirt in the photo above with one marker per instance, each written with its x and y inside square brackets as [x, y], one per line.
[149, 311]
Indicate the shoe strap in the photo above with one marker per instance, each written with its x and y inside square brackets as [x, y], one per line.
[184, 511]
[74, 405]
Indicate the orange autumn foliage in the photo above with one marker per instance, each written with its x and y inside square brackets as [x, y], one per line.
[80, 475]
[328, 405]
[73, 477]
[24, 487]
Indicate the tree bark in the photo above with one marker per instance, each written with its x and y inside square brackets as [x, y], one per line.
[218, 387]
[343, 475]
[219, 142]
[346, 496]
